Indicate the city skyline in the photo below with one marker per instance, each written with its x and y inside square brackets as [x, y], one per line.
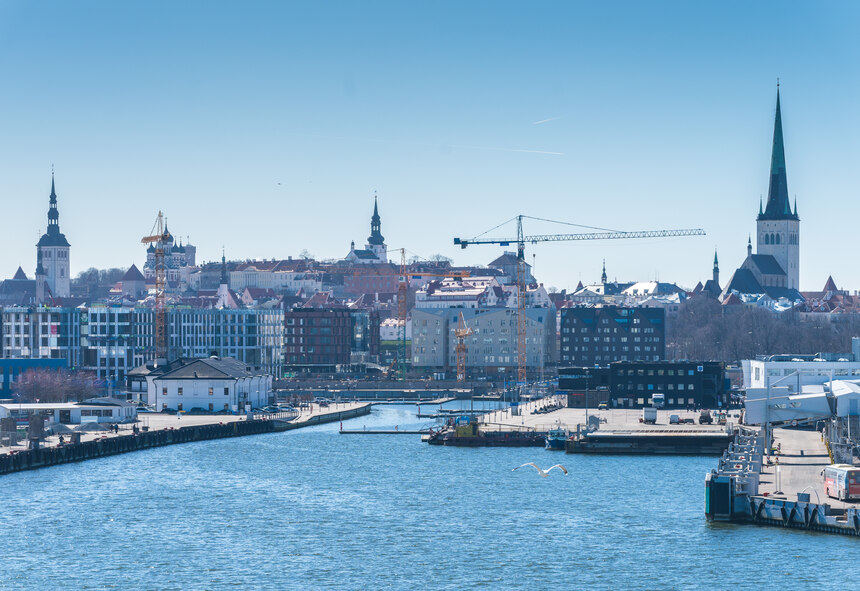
[269, 132]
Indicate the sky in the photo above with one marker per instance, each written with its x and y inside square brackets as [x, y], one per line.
[266, 128]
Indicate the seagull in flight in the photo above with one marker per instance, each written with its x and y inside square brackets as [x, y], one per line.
[543, 473]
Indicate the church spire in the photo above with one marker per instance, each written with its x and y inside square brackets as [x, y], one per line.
[778, 206]
[716, 268]
[223, 268]
[603, 275]
[53, 212]
[375, 238]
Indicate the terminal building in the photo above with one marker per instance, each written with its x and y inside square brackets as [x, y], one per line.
[625, 384]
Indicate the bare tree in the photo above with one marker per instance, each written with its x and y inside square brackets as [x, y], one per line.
[55, 385]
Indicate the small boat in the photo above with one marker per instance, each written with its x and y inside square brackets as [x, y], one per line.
[555, 439]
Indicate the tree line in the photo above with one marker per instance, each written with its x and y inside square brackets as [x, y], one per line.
[706, 331]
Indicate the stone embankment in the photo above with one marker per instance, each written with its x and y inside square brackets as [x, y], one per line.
[109, 446]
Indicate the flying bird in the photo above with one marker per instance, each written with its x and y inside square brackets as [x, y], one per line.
[543, 473]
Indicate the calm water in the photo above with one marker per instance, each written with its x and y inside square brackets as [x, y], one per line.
[315, 509]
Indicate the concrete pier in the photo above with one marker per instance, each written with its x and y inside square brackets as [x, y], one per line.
[782, 488]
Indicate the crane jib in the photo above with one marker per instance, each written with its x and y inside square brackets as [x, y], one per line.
[585, 236]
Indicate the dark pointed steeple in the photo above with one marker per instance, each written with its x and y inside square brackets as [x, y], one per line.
[53, 237]
[603, 275]
[749, 246]
[716, 268]
[223, 268]
[375, 238]
[778, 206]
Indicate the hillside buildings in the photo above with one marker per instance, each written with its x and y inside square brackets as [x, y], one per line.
[179, 262]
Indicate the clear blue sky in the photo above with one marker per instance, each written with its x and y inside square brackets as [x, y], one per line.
[267, 126]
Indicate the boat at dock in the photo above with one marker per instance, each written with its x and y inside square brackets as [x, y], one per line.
[556, 438]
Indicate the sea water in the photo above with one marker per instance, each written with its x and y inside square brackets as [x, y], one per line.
[314, 509]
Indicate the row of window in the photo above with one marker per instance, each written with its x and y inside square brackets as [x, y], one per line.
[179, 391]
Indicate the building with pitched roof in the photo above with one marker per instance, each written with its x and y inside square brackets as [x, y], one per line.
[213, 384]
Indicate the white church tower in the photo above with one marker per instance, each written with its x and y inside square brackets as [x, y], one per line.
[778, 231]
[53, 251]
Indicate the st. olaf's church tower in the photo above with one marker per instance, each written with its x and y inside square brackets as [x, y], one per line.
[775, 268]
[778, 227]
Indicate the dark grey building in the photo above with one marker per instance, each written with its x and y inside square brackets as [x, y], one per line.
[602, 335]
[625, 384]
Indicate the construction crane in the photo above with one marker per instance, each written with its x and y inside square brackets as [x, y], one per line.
[159, 236]
[521, 240]
[461, 332]
[402, 304]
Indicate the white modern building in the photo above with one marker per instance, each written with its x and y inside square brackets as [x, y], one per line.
[389, 329]
[793, 373]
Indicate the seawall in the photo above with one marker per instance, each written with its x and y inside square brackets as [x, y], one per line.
[53, 456]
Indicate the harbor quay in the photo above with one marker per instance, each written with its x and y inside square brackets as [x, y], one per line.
[623, 431]
[156, 430]
[779, 485]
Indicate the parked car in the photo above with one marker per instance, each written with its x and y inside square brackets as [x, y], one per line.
[705, 417]
[602, 406]
[674, 419]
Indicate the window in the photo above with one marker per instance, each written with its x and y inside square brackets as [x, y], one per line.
[211, 392]
[211, 406]
[179, 392]
[226, 392]
[164, 391]
[179, 406]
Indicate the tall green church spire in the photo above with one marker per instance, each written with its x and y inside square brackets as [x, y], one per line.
[778, 206]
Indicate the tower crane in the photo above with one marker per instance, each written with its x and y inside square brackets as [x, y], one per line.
[521, 240]
[461, 332]
[159, 236]
[402, 296]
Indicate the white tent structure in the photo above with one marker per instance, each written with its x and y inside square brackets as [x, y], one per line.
[839, 398]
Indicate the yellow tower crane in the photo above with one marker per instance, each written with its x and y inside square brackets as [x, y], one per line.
[461, 332]
[402, 305]
[159, 236]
